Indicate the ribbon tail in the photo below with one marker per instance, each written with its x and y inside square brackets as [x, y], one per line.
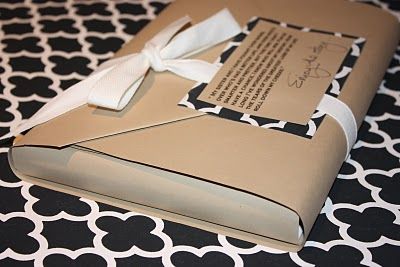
[113, 87]
[163, 37]
[212, 31]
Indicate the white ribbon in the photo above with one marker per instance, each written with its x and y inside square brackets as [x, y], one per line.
[116, 81]
[343, 115]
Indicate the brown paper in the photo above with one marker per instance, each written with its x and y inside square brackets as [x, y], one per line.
[278, 72]
[245, 169]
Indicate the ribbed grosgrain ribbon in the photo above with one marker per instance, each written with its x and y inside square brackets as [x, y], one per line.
[116, 81]
[343, 115]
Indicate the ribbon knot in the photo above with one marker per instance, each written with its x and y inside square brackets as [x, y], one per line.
[114, 83]
[152, 53]
[165, 51]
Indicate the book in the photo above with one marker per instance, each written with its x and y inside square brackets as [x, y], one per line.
[252, 153]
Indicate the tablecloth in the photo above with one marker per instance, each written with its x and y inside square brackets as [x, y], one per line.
[46, 46]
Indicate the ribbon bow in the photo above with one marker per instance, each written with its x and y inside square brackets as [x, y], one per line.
[116, 81]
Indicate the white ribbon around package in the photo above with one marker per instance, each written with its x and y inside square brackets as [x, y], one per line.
[116, 81]
[341, 112]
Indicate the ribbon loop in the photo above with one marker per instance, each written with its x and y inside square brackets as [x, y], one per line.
[115, 82]
[166, 52]
[151, 52]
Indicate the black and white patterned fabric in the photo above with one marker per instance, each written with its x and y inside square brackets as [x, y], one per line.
[46, 46]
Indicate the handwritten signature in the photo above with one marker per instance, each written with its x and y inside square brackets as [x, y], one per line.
[331, 47]
[312, 67]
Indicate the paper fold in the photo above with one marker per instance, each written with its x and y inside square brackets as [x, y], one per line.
[154, 131]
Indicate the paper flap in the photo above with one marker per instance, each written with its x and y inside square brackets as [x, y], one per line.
[288, 169]
[154, 104]
[156, 101]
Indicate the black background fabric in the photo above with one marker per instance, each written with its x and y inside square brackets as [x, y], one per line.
[46, 46]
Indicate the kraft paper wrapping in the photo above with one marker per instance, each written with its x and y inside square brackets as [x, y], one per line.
[153, 131]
